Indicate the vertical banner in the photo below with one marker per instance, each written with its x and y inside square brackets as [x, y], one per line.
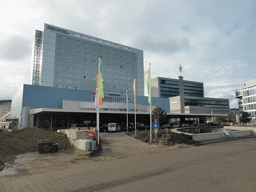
[96, 98]
[128, 107]
[100, 98]
[134, 95]
[148, 83]
[101, 83]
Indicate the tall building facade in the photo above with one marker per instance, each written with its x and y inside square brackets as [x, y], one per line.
[167, 87]
[188, 97]
[247, 99]
[68, 59]
[5, 107]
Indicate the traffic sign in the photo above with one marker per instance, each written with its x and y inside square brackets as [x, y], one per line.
[155, 125]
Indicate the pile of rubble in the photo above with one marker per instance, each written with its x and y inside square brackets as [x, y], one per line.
[165, 137]
[26, 140]
[175, 138]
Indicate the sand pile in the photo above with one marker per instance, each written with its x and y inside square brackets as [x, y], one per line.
[25, 140]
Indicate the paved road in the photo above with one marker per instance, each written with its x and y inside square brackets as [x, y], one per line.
[129, 165]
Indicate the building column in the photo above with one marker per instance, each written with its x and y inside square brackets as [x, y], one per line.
[51, 123]
[31, 121]
[182, 110]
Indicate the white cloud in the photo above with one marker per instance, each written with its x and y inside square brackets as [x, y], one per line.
[213, 40]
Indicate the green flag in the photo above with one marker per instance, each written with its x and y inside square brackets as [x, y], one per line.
[101, 86]
[101, 81]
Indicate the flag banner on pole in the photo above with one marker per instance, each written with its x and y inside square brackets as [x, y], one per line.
[96, 95]
[134, 90]
[148, 82]
[96, 100]
[100, 61]
[101, 81]
[101, 101]
[128, 107]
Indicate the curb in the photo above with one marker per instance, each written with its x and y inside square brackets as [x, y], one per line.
[225, 140]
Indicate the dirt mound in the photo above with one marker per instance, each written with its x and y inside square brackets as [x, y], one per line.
[174, 138]
[164, 137]
[25, 140]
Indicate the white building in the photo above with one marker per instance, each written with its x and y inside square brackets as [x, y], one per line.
[247, 99]
[68, 59]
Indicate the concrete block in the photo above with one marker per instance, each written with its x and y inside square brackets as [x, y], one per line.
[84, 144]
[93, 145]
[81, 134]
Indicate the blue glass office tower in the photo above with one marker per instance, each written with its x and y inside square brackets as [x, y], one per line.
[167, 87]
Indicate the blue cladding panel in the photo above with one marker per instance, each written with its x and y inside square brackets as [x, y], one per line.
[156, 101]
[51, 97]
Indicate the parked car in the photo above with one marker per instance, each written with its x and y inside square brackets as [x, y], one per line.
[140, 126]
[131, 127]
[185, 125]
[104, 128]
[114, 127]
[166, 126]
[212, 124]
[175, 125]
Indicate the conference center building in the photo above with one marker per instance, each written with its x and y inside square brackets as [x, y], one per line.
[64, 83]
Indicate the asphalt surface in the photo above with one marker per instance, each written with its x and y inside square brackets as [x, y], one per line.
[127, 164]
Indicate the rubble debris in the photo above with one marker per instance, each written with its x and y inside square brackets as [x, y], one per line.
[26, 140]
[165, 137]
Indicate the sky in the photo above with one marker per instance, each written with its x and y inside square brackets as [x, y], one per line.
[213, 40]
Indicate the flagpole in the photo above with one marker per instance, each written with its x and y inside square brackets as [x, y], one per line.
[126, 109]
[98, 106]
[98, 118]
[150, 141]
[135, 105]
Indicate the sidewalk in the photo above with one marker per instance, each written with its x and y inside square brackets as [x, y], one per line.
[118, 147]
[131, 164]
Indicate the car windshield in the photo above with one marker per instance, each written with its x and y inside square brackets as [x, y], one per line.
[111, 124]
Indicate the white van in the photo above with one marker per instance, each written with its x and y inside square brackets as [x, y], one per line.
[114, 127]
